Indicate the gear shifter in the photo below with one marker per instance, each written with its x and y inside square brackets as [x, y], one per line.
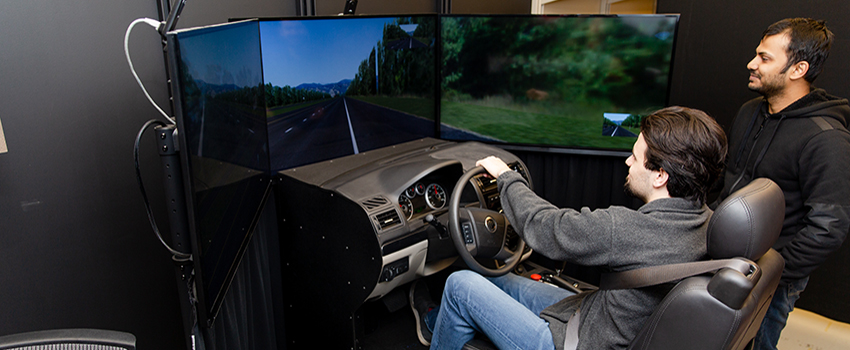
[441, 229]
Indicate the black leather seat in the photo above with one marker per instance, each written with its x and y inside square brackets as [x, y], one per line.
[722, 310]
[725, 310]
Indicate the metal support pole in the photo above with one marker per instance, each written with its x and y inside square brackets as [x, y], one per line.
[178, 218]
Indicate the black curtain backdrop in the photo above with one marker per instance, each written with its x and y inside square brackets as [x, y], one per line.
[251, 315]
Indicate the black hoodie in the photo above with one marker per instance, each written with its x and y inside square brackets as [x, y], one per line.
[805, 149]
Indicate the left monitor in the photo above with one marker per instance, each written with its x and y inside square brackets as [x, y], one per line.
[220, 107]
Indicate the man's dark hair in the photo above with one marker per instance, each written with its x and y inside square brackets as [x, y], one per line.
[810, 42]
[689, 145]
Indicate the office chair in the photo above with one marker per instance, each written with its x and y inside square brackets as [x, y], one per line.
[76, 339]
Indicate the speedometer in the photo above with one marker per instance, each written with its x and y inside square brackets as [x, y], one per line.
[435, 196]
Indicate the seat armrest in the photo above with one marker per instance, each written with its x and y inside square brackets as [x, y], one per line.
[731, 287]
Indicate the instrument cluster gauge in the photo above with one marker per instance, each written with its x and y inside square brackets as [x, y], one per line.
[435, 196]
[406, 206]
[420, 188]
[410, 192]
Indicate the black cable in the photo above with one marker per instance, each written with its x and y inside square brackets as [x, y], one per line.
[177, 256]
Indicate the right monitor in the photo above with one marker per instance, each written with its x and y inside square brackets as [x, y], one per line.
[573, 82]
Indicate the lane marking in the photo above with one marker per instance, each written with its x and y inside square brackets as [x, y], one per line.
[288, 130]
[350, 128]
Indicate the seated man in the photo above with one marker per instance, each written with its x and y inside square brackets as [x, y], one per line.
[677, 157]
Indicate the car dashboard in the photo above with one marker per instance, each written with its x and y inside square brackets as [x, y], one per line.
[355, 228]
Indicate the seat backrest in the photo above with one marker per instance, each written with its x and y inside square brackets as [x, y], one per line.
[748, 222]
[724, 310]
[75, 338]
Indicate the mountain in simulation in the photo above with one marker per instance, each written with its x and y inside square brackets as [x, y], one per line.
[333, 89]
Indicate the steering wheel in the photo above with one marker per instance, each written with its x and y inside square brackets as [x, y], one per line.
[481, 233]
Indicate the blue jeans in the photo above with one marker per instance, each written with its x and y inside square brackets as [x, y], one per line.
[506, 309]
[777, 314]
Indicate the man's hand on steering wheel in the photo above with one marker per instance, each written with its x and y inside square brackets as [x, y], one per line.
[494, 165]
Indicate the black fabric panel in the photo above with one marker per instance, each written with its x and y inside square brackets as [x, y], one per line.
[251, 315]
[575, 181]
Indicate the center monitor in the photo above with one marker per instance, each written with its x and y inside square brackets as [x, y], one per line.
[343, 85]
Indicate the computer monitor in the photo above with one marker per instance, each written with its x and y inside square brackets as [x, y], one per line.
[221, 118]
[337, 86]
[579, 83]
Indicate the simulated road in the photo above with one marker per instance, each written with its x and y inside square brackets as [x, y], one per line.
[336, 128]
[616, 130]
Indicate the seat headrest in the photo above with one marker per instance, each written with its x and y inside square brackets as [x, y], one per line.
[748, 222]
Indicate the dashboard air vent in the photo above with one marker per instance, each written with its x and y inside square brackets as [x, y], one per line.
[387, 218]
[373, 203]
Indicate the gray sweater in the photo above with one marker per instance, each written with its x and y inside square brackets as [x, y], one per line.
[663, 231]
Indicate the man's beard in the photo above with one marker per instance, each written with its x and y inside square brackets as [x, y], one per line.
[631, 192]
[768, 88]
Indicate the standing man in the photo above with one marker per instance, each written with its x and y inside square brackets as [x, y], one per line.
[795, 135]
[676, 159]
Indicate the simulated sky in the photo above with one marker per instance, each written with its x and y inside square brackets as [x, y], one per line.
[317, 51]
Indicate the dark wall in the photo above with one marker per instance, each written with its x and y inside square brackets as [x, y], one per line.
[76, 249]
[717, 39]
[205, 12]
[383, 7]
[331, 8]
[490, 7]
